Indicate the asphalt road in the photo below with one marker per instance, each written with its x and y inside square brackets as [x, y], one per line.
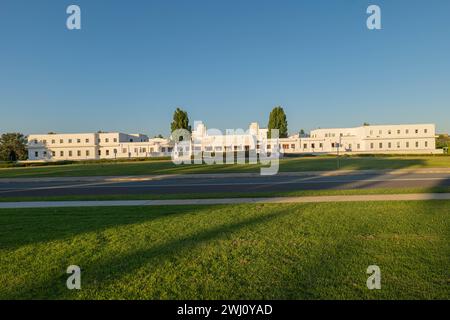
[174, 185]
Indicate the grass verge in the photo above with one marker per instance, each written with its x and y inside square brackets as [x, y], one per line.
[321, 163]
[221, 195]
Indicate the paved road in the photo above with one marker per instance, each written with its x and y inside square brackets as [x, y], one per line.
[222, 183]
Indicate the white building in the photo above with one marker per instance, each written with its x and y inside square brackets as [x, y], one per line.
[408, 138]
[384, 139]
[94, 146]
[400, 139]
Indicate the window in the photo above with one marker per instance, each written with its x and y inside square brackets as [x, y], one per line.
[163, 149]
[61, 141]
[70, 153]
[293, 146]
[99, 152]
[407, 144]
[45, 153]
[389, 132]
[321, 145]
[425, 131]
[305, 146]
[35, 141]
[135, 150]
[398, 144]
[407, 131]
[417, 144]
[398, 131]
[79, 153]
[53, 154]
[115, 151]
[417, 131]
[389, 145]
[61, 153]
[268, 147]
[36, 154]
[371, 146]
[44, 141]
[87, 140]
[78, 140]
[358, 146]
[115, 139]
[350, 146]
[381, 145]
[426, 144]
[124, 150]
[87, 153]
[313, 145]
[70, 140]
[332, 145]
[107, 152]
[53, 142]
[106, 140]
[285, 146]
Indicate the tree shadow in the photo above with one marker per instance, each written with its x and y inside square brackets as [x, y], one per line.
[42, 225]
[117, 267]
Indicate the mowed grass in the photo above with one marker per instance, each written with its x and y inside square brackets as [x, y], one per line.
[254, 251]
[221, 195]
[286, 165]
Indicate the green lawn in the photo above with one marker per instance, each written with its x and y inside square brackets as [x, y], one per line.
[264, 251]
[167, 167]
[220, 195]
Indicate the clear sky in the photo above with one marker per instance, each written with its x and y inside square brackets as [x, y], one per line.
[227, 62]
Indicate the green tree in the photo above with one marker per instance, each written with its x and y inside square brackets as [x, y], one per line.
[180, 120]
[159, 136]
[302, 132]
[13, 147]
[277, 120]
[442, 141]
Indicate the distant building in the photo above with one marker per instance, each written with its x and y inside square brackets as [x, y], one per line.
[94, 146]
[401, 139]
[369, 139]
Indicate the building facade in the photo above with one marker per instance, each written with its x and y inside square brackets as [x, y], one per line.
[384, 139]
[95, 146]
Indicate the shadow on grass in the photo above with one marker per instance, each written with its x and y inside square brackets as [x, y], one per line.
[117, 267]
[167, 167]
[48, 224]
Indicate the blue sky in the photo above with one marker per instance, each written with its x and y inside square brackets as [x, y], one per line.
[227, 62]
